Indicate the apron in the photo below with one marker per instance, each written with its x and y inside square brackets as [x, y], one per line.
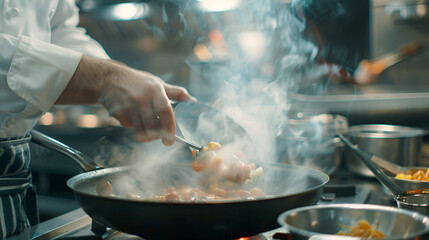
[18, 204]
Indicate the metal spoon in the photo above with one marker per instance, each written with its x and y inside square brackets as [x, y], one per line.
[201, 123]
[190, 144]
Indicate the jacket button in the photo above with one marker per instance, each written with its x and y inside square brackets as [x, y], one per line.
[14, 12]
[9, 123]
[51, 13]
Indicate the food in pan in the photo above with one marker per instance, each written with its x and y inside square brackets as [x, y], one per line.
[104, 188]
[184, 193]
[224, 173]
[362, 229]
[214, 193]
[419, 175]
[226, 162]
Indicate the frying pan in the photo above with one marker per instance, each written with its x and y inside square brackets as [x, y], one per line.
[286, 187]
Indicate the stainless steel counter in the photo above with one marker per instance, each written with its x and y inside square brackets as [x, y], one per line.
[405, 105]
[55, 228]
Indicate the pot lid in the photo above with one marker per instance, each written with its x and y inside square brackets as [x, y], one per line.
[385, 131]
[319, 126]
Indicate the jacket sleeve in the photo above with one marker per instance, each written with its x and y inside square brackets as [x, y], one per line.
[66, 33]
[33, 74]
[38, 71]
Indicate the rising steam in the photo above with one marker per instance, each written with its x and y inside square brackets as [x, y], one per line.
[255, 89]
[270, 55]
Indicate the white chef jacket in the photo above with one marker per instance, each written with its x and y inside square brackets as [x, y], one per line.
[40, 48]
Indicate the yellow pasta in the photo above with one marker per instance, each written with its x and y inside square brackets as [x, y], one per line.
[419, 175]
[362, 229]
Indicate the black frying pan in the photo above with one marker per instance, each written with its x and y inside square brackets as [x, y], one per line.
[286, 187]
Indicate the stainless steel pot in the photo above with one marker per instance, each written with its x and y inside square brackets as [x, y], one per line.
[398, 144]
[311, 141]
[415, 200]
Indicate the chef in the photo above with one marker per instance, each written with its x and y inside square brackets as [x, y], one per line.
[45, 59]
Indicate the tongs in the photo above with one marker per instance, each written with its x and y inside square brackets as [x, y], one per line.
[368, 160]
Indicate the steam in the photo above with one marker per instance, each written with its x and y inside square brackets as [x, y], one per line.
[255, 89]
[156, 169]
[253, 83]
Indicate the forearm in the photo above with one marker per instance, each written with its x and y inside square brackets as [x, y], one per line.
[89, 81]
[136, 98]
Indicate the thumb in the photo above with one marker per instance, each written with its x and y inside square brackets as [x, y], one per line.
[178, 93]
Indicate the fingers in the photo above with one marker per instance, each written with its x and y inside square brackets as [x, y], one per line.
[141, 100]
[140, 117]
[147, 125]
[159, 121]
[178, 93]
[117, 108]
[165, 115]
[156, 120]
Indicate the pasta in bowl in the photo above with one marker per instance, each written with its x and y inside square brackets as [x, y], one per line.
[333, 219]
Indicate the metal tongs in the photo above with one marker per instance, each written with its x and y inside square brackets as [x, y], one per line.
[370, 161]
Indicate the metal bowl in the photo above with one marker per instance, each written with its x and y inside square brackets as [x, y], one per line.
[311, 141]
[324, 221]
[414, 200]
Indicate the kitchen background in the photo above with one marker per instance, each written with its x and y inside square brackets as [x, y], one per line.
[184, 41]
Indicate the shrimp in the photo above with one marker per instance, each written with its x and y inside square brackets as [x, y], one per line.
[226, 162]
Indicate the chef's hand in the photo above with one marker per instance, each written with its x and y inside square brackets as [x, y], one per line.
[137, 99]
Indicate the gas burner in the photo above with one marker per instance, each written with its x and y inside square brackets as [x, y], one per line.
[116, 235]
[275, 235]
[96, 231]
[112, 234]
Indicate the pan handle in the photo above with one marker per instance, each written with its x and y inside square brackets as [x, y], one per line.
[84, 162]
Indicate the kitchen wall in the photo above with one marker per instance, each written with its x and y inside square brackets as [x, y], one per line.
[395, 24]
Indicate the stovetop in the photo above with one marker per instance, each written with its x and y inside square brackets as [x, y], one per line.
[77, 225]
